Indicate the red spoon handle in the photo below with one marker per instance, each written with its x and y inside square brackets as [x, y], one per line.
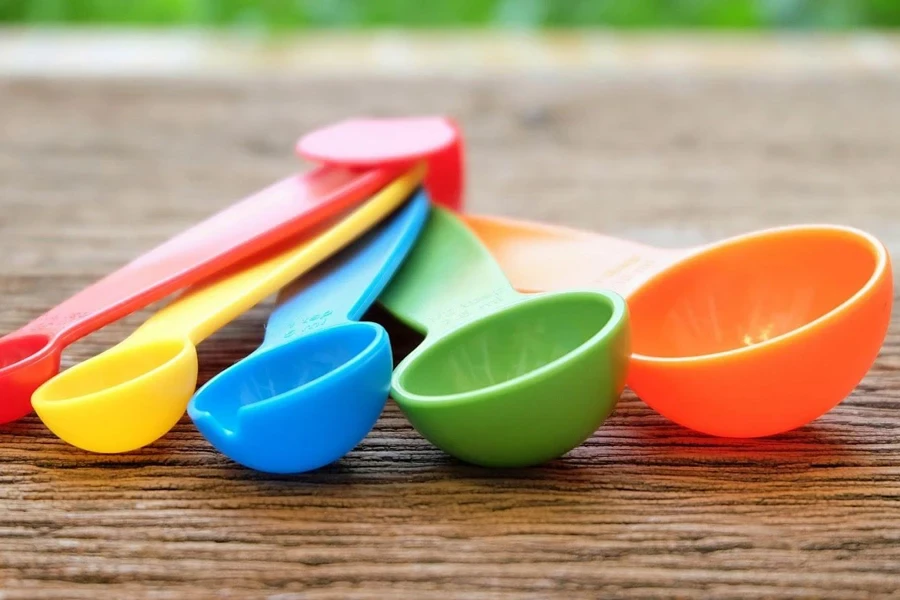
[295, 204]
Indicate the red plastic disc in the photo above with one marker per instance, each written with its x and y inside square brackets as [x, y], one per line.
[371, 142]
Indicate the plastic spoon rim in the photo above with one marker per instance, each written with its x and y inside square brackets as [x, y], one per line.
[614, 324]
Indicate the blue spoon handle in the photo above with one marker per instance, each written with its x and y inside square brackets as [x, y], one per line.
[345, 286]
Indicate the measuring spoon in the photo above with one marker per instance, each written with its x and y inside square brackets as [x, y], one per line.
[501, 379]
[751, 336]
[316, 386]
[132, 394]
[365, 143]
[31, 355]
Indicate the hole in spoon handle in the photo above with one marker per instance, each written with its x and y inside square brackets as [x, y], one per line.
[448, 274]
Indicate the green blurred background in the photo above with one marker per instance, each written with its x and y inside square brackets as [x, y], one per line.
[285, 15]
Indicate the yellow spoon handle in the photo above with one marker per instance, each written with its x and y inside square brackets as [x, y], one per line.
[207, 306]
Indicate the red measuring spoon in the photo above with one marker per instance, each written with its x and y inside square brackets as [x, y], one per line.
[31, 355]
[364, 143]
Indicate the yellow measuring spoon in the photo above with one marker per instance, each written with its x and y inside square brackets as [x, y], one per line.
[135, 392]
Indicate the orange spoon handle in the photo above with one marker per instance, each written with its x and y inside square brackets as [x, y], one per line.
[539, 258]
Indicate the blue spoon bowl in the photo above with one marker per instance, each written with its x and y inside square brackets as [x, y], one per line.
[316, 386]
[301, 405]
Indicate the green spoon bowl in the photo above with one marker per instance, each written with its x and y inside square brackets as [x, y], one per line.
[523, 385]
[502, 379]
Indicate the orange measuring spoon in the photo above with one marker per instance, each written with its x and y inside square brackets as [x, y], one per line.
[751, 336]
[31, 355]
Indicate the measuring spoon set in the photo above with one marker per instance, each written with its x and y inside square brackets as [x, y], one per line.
[531, 331]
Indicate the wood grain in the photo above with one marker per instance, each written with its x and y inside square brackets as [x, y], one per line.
[94, 172]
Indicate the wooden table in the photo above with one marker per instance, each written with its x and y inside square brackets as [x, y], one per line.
[93, 172]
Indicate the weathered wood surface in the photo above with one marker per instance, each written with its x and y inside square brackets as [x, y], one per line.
[93, 173]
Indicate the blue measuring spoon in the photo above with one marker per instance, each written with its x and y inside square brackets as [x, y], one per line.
[318, 383]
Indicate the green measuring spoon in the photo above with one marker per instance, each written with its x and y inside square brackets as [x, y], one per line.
[502, 379]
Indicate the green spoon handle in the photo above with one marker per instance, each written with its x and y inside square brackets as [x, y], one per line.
[449, 278]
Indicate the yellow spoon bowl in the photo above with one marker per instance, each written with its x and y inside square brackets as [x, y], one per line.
[134, 393]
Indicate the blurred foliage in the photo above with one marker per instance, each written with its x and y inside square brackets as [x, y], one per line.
[293, 14]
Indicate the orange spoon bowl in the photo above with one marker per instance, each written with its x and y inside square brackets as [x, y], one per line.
[752, 336]
[762, 333]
